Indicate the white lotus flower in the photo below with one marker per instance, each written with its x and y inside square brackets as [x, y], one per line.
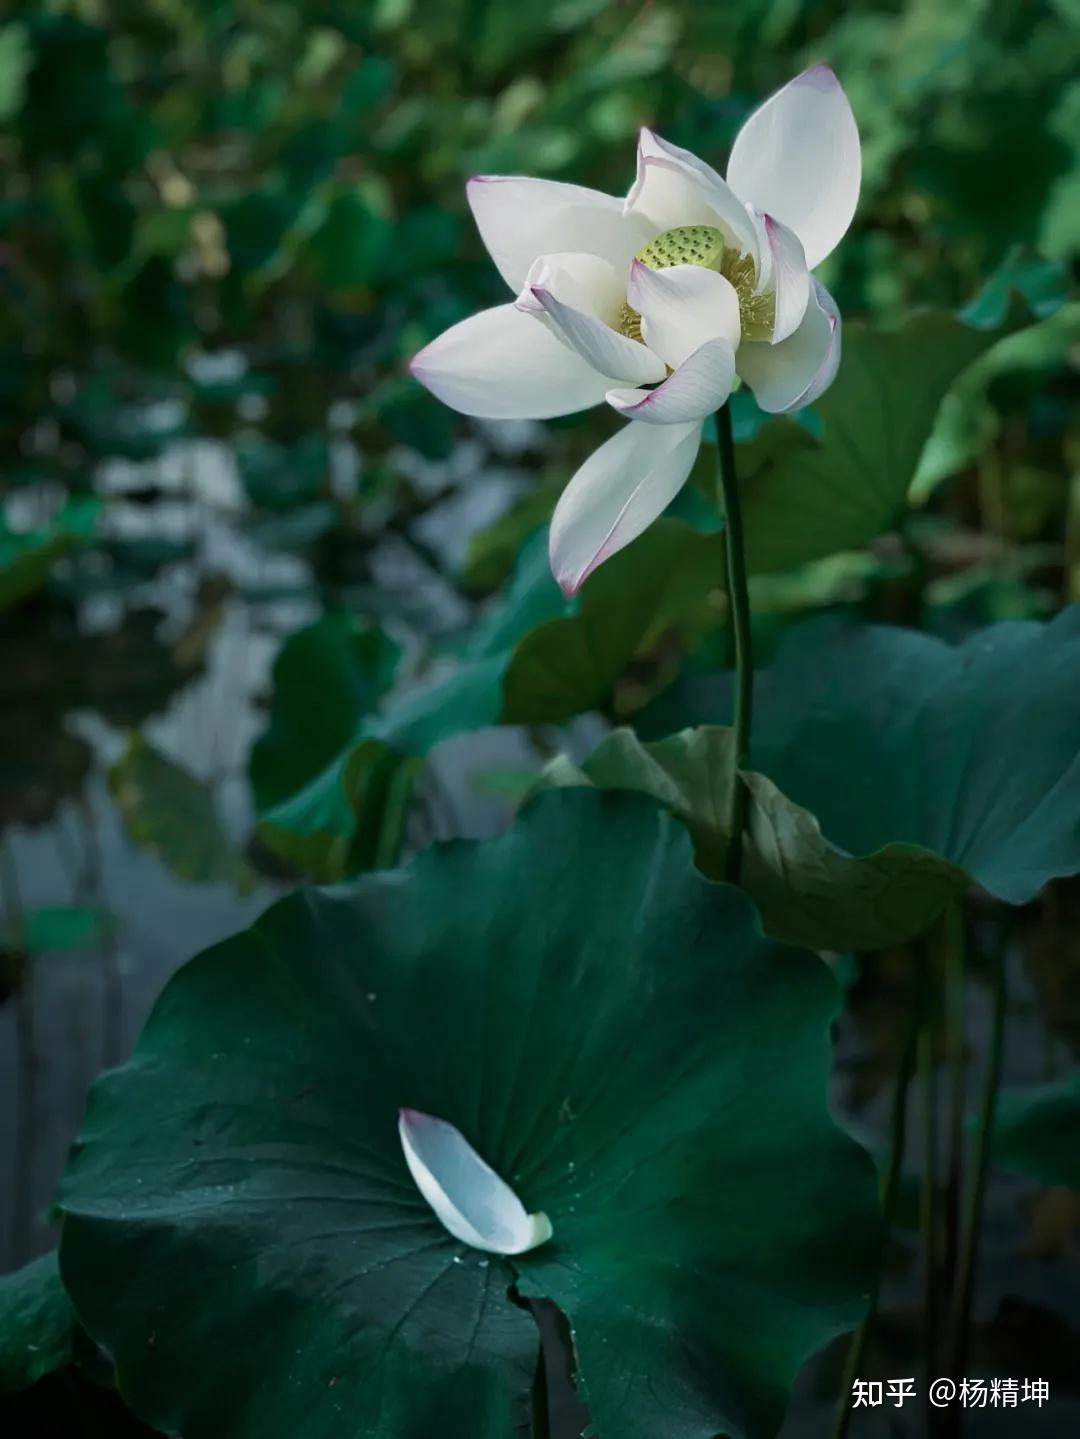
[472, 1201]
[656, 303]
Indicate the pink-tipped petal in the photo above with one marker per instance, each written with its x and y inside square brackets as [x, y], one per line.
[585, 281]
[789, 278]
[468, 1197]
[681, 308]
[798, 158]
[520, 219]
[793, 374]
[673, 187]
[699, 386]
[619, 490]
[599, 346]
[505, 365]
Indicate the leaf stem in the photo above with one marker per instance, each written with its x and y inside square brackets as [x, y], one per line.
[890, 1190]
[969, 1246]
[739, 604]
[398, 800]
[956, 1042]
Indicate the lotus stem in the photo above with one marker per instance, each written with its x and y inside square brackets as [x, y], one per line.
[969, 1244]
[890, 1190]
[739, 604]
[953, 931]
[396, 808]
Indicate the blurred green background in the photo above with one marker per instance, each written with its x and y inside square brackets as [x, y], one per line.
[236, 220]
[226, 225]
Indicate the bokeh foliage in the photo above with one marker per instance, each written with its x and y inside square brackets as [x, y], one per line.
[286, 181]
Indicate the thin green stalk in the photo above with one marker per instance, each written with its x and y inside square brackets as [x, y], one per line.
[739, 605]
[969, 1245]
[957, 1058]
[890, 1190]
[395, 815]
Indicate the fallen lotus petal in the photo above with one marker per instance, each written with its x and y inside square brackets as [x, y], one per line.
[471, 1200]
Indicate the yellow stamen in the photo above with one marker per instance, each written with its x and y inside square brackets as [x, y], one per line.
[705, 245]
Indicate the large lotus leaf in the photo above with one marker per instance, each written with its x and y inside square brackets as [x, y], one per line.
[808, 892]
[533, 659]
[37, 1324]
[806, 498]
[891, 736]
[610, 1031]
[1037, 1131]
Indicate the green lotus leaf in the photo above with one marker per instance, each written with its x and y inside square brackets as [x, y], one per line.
[534, 658]
[1037, 1131]
[350, 816]
[331, 787]
[968, 423]
[891, 737]
[570, 664]
[605, 1026]
[53, 1379]
[805, 499]
[38, 1327]
[171, 814]
[808, 892]
[326, 678]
